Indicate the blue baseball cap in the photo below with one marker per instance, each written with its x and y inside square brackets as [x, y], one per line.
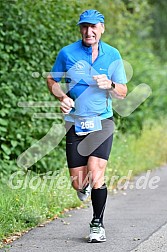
[91, 17]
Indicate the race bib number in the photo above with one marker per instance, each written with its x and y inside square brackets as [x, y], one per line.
[86, 125]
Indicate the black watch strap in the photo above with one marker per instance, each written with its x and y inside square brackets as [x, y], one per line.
[112, 85]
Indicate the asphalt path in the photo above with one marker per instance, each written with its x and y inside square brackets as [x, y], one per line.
[135, 220]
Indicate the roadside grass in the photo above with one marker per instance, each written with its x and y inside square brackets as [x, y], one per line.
[138, 153]
[28, 199]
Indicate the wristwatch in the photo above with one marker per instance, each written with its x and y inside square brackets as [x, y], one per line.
[112, 85]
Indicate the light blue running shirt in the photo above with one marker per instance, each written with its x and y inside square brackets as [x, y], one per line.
[74, 63]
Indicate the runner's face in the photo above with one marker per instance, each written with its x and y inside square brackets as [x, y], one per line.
[91, 33]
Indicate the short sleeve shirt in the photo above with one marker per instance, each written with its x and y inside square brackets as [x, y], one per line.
[74, 65]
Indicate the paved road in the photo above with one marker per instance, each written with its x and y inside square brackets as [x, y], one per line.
[135, 220]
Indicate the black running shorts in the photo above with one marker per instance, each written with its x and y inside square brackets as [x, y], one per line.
[97, 144]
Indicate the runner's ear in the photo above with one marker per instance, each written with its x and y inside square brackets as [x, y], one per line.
[102, 28]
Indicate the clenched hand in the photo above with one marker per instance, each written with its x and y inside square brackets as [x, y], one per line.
[66, 104]
[102, 81]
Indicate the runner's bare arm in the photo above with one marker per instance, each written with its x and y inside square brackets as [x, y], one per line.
[66, 103]
[119, 90]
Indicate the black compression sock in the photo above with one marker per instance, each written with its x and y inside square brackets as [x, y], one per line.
[99, 197]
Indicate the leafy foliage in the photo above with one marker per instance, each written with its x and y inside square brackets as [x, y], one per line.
[31, 38]
[32, 35]
[159, 31]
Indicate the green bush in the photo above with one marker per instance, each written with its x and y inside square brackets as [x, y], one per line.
[31, 36]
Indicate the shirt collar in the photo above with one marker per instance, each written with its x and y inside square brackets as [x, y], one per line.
[88, 49]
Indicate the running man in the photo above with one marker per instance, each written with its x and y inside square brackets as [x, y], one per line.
[93, 72]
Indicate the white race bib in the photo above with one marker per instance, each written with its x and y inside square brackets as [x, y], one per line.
[86, 125]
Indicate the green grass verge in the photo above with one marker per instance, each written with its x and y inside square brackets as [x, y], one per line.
[34, 199]
[28, 200]
[138, 154]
